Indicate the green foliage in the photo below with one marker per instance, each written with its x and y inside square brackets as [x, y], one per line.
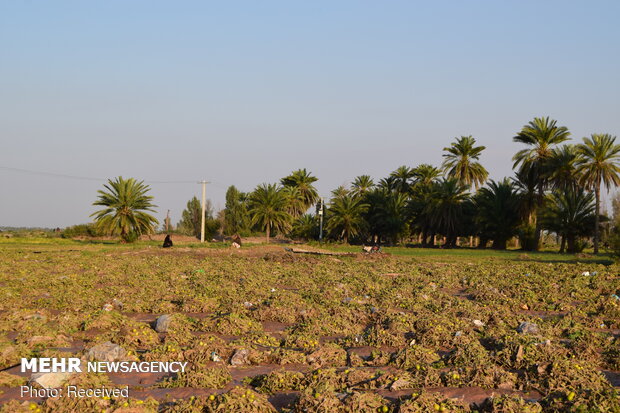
[236, 217]
[305, 193]
[497, 215]
[598, 165]
[461, 162]
[445, 209]
[191, 219]
[305, 227]
[268, 207]
[362, 185]
[126, 202]
[541, 135]
[80, 230]
[346, 217]
[570, 214]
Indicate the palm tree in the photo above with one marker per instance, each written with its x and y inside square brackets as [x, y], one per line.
[346, 217]
[303, 180]
[599, 165]
[401, 178]
[425, 174]
[268, 208]
[305, 227]
[387, 183]
[497, 215]
[361, 185]
[542, 135]
[296, 203]
[570, 214]
[461, 162]
[125, 203]
[562, 167]
[388, 214]
[446, 207]
[340, 192]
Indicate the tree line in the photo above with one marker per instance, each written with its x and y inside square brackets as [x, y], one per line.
[555, 190]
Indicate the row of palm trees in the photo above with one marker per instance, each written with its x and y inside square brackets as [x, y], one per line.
[556, 188]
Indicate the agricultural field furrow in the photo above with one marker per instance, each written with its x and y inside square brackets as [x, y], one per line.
[264, 330]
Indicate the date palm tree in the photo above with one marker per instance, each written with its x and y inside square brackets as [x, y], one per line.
[401, 179]
[445, 208]
[461, 162]
[303, 180]
[340, 192]
[268, 207]
[425, 174]
[599, 165]
[562, 167]
[362, 185]
[570, 214]
[541, 135]
[296, 203]
[497, 217]
[126, 204]
[346, 218]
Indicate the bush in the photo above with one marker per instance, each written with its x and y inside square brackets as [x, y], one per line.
[80, 230]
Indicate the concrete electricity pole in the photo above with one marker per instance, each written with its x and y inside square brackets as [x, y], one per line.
[204, 209]
[321, 213]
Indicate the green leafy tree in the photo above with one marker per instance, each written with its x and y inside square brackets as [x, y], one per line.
[541, 135]
[461, 162]
[598, 166]
[497, 216]
[126, 204]
[236, 216]
[268, 208]
[346, 217]
[191, 219]
[303, 180]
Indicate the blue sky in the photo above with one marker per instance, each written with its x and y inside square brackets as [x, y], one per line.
[244, 92]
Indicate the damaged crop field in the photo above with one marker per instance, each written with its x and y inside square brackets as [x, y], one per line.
[266, 330]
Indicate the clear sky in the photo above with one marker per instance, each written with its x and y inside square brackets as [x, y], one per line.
[243, 92]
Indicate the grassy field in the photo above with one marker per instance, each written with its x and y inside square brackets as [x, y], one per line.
[411, 330]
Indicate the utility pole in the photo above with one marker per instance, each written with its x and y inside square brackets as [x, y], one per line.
[204, 209]
[168, 222]
[321, 214]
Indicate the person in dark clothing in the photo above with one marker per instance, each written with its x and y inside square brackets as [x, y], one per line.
[167, 242]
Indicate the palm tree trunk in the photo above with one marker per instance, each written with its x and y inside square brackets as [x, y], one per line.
[268, 228]
[597, 191]
[541, 197]
[570, 240]
[562, 244]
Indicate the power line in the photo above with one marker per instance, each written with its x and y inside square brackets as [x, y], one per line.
[83, 178]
